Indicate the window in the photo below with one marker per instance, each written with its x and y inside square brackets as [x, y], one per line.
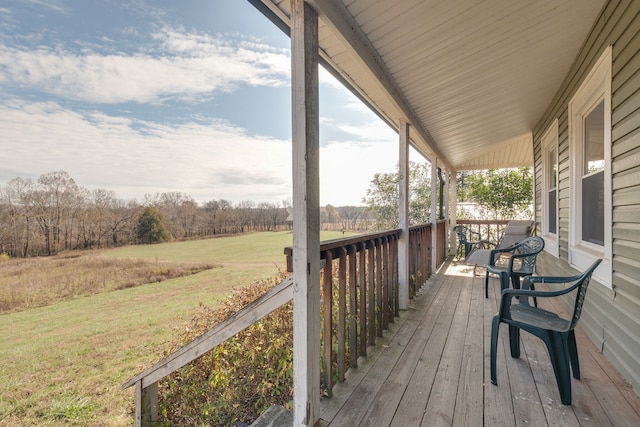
[593, 177]
[550, 189]
[590, 151]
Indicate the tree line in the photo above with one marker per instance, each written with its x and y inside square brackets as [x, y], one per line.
[54, 214]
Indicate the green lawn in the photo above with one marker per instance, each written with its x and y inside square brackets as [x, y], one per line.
[64, 364]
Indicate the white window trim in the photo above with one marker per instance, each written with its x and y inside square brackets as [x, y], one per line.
[595, 88]
[549, 141]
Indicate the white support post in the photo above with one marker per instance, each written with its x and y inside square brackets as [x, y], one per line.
[306, 214]
[403, 211]
[445, 191]
[453, 214]
[434, 213]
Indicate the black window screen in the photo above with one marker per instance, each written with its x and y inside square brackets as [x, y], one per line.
[552, 211]
[593, 208]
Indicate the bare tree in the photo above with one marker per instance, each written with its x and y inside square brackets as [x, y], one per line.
[54, 204]
[349, 216]
[14, 220]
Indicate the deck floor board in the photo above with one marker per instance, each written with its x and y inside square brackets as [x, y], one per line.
[432, 368]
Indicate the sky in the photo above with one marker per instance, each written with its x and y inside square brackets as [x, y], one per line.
[149, 96]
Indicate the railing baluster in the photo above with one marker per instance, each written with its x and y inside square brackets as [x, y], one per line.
[353, 309]
[362, 319]
[342, 309]
[385, 283]
[396, 288]
[327, 316]
[379, 302]
[372, 293]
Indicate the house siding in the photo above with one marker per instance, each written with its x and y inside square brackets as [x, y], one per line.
[611, 317]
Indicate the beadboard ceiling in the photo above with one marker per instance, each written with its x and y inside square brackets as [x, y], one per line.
[471, 77]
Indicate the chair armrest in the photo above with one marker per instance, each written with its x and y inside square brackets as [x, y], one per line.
[525, 291]
[494, 252]
[516, 256]
[474, 233]
[523, 295]
[553, 279]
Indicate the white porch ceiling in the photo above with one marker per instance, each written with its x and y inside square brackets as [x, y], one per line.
[471, 77]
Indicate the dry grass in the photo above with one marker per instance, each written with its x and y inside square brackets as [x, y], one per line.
[64, 364]
[37, 282]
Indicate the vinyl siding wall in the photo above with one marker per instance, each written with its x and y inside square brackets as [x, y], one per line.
[611, 317]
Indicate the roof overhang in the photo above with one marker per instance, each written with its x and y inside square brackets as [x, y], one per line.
[471, 78]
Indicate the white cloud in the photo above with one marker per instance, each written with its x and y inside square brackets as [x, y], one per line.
[187, 66]
[207, 161]
[210, 160]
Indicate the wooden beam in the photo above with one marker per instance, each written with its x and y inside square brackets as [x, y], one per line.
[403, 211]
[306, 214]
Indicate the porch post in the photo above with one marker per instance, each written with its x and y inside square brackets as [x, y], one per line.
[306, 214]
[434, 214]
[453, 197]
[447, 201]
[403, 213]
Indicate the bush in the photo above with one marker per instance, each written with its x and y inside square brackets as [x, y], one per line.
[239, 379]
[151, 228]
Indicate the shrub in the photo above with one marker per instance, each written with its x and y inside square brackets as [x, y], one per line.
[151, 228]
[239, 379]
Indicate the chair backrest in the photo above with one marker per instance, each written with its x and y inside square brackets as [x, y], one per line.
[461, 232]
[531, 247]
[583, 284]
[515, 232]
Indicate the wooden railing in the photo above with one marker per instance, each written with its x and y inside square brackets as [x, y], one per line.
[360, 297]
[360, 292]
[147, 382]
[490, 230]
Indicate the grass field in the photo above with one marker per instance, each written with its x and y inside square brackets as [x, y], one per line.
[64, 363]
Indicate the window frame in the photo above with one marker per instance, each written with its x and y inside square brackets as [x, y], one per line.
[595, 88]
[549, 143]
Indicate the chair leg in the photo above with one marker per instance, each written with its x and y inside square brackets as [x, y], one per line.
[486, 284]
[573, 354]
[515, 280]
[557, 347]
[495, 327]
[504, 281]
[535, 300]
[514, 341]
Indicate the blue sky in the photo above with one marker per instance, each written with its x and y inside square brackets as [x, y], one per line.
[144, 96]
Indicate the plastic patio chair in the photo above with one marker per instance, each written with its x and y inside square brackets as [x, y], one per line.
[467, 239]
[521, 263]
[556, 332]
[514, 232]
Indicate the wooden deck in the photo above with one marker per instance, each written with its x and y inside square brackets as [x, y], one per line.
[432, 369]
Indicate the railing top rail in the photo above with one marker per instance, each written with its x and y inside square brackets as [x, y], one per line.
[483, 221]
[348, 241]
[419, 226]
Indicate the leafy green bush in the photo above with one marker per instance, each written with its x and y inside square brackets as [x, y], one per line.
[239, 379]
